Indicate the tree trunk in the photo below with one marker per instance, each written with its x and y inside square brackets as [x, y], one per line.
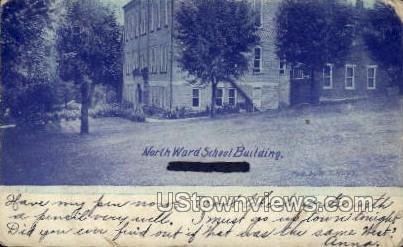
[85, 104]
[400, 82]
[314, 88]
[91, 94]
[400, 79]
[213, 94]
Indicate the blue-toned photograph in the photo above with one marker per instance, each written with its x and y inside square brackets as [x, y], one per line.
[201, 92]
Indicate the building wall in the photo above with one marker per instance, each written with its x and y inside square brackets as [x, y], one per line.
[338, 91]
[147, 45]
[359, 57]
[274, 87]
[170, 90]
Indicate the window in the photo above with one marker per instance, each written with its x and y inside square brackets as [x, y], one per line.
[232, 96]
[126, 36]
[371, 76]
[161, 10]
[126, 28]
[283, 67]
[137, 24]
[219, 96]
[257, 60]
[129, 28]
[136, 60]
[133, 27]
[350, 76]
[166, 12]
[127, 63]
[328, 76]
[131, 63]
[152, 17]
[142, 62]
[153, 60]
[258, 6]
[297, 73]
[159, 13]
[164, 59]
[196, 97]
[143, 21]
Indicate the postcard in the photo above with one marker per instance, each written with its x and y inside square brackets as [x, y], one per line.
[201, 123]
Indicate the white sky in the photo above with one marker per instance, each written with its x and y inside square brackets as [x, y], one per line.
[118, 4]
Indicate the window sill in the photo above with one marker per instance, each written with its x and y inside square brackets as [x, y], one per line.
[327, 88]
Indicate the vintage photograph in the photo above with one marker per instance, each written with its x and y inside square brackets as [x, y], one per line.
[201, 92]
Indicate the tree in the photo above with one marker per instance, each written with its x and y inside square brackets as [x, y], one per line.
[90, 50]
[214, 37]
[26, 81]
[313, 33]
[383, 37]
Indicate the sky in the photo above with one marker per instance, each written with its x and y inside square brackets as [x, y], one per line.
[118, 5]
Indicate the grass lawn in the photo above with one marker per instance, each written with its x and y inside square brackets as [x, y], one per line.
[355, 144]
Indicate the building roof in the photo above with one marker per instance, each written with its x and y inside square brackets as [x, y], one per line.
[129, 4]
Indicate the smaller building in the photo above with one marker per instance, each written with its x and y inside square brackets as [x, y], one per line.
[358, 78]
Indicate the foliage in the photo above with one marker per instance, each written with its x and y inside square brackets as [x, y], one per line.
[90, 50]
[27, 90]
[314, 33]
[116, 110]
[214, 37]
[90, 43]
[184, 112]
[99, 111]
[383, 37]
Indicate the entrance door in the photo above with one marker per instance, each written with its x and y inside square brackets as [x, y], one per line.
[300, 87]
[257, 97]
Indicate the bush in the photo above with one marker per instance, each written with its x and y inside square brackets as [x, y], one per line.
[225, 109]
[69, 114]
[105, 110]
[132, 115]
[153, 110]
[28, 104]
[116, 110]
[184, 112]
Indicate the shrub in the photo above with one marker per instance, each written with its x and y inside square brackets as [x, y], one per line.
[225, 109]
[184, 112]
[132, 115]
[152, 110]
[116, 110]
[105, 110]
